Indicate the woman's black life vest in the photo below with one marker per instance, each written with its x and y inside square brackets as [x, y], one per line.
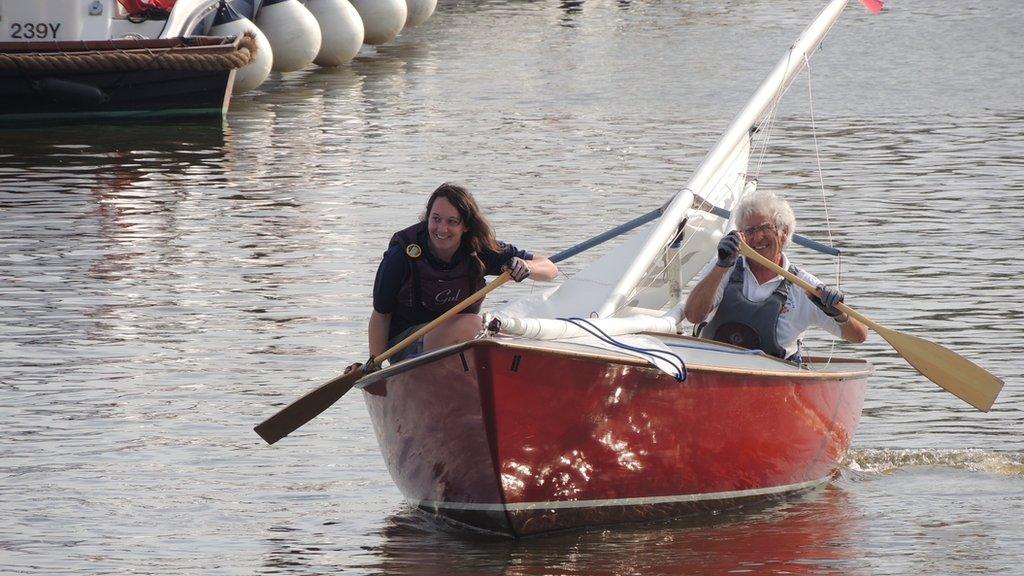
[429, 291]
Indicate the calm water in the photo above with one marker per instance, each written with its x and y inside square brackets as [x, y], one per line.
[165, 288]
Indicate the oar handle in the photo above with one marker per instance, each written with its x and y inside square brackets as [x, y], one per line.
[753, 255]
[469, 301]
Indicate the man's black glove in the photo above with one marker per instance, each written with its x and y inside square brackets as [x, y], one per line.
[829, 298]
[728, 249]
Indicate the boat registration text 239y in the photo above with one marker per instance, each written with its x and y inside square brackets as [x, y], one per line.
[33, 30]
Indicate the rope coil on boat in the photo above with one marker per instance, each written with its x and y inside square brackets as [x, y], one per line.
[176, 58]
[671, 358]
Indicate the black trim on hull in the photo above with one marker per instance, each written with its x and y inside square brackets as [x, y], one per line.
[533, 521]
[144, 92]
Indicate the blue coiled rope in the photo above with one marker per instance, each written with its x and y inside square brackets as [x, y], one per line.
[674, 359]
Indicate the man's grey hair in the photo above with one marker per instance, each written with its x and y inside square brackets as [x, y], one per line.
[773, 207]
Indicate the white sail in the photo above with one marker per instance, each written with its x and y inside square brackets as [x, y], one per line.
[585, 292]
[626, 275]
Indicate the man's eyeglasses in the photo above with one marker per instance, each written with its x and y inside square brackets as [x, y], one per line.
[752, 230]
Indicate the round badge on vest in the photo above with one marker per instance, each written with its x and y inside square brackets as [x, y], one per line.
[738, 335]
[413, 251]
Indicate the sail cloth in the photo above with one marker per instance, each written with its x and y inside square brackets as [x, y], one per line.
[586, 292]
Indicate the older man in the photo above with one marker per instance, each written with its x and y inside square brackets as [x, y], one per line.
[747, 304]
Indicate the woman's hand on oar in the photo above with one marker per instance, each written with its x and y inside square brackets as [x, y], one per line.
[294, 415]
[954, 373]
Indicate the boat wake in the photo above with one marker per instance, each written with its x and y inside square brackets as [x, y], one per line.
[887, 460]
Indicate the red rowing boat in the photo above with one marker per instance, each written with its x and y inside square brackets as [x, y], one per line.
[521, 437]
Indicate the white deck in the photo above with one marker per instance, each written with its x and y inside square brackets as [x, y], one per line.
[698, 353]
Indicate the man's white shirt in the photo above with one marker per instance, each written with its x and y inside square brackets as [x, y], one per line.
[798, 313]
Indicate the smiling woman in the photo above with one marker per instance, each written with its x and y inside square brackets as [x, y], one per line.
[433, 265]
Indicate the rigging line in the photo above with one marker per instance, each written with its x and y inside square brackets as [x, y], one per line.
[784, 87]
[817, 155]
[767, 128]
[771, 115]
[821, 187]
[764, 130]
[821, 175]
[839, 260]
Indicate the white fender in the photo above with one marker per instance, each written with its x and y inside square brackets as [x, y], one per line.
[253, 74]
[341, 30]
[382, 19]
[419, 11]
[292, 31]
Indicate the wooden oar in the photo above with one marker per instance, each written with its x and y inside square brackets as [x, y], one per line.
[956, 374]
[291, 417]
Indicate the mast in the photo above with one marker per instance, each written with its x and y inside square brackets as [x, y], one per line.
[789, 66]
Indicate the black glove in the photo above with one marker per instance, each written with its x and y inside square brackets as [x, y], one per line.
[827, 301]
[728, 249]
[518, 268]
[369, 367]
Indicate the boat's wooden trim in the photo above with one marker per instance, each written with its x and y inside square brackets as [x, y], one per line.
[857, 368]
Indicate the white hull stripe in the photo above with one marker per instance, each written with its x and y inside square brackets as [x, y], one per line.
[519, 506]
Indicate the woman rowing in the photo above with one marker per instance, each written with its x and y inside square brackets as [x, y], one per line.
[433, 265]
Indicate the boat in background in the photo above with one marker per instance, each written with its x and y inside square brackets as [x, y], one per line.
[144, 58]
[582, 405]
[151, 78]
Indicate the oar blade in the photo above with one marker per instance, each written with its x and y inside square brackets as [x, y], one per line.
[294, 415]
[956, 374]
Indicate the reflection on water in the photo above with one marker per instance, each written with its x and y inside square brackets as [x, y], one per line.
[864, 523]
[108, 160]
[907, 514]
[809, 536]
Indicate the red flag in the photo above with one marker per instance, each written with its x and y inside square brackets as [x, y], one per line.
[875, 6]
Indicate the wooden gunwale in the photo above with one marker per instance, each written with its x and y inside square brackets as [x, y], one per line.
[866, 368]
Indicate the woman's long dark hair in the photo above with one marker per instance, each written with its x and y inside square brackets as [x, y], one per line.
[479, 235]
